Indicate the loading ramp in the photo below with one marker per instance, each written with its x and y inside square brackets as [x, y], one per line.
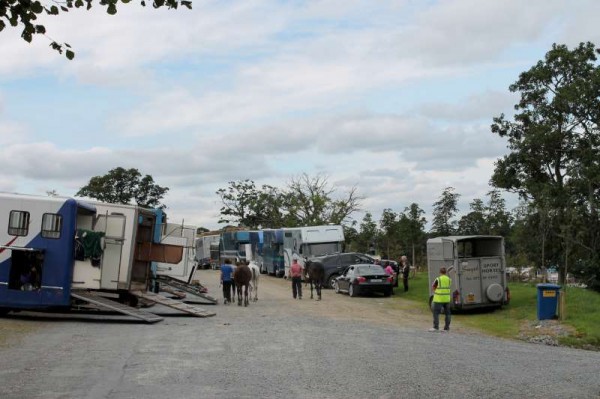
[197, 290]
[106, 303]
[183, 307]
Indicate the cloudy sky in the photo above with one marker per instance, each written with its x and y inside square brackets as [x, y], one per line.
[394, 97]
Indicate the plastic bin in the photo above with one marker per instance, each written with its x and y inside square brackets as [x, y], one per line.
[547, 301]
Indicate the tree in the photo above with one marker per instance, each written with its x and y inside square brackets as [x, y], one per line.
[412, 230]
[122, 186]
[554, 143]
[389, 232]
[475, 221]
[368, 235]
[25, 13]
[249, 206]
[443, 211]
[309, 201]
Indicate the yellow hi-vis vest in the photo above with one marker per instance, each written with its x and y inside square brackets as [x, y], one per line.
[442, 292]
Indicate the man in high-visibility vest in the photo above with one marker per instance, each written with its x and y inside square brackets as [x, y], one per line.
[441, 300]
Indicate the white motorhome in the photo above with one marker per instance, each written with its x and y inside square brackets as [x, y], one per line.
[207, 251]
[307, 242]
[477, 267]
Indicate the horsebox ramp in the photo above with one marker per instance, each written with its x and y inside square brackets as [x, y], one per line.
[105, 303]
[183, 307]
[196, 290]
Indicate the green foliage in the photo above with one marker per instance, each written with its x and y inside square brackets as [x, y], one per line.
[306, 201]
[554, 159]
[122, 186]
[26, 12]
[444, 209]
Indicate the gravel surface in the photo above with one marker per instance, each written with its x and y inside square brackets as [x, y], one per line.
[279, 347]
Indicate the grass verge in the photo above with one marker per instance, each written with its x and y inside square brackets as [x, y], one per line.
[582, 316]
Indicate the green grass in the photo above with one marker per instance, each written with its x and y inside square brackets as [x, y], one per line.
[581, 312]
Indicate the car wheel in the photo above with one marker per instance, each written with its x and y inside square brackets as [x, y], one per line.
[336, 287]
[352, 291]
[331, 280]
[387, 293]
[4, 311]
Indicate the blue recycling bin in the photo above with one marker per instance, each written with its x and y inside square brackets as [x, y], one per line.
[547, 301]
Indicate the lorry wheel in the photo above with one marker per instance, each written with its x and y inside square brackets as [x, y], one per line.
[331, 281]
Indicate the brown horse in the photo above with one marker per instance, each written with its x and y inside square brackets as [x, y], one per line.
[241, 277]
[314, 273]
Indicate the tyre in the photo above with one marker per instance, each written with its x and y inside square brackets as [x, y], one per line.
[387, 293]
[4, 311]
[352, 291]
[336, 287]
[331, 280]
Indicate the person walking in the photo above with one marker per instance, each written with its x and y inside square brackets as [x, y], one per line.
[441, 300]
[226, 280]
[296, 274]
[405, 270]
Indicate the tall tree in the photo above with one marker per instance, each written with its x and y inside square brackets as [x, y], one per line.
[249, 206]
[554, 141]
[123, 186]
[367, 235]
[24, 13]
[389, 236]
[444, 209]
[311, 201]
[412, 230]
[475, 221]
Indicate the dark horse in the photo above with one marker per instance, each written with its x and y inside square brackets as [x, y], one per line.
[314, 273]
[241, 277]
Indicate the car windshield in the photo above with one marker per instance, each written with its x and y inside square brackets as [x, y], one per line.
[363, 270]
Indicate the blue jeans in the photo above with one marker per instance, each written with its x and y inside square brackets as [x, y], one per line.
[437, 309]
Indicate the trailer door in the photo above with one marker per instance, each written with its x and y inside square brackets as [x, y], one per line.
[114, 228]
[470, 281]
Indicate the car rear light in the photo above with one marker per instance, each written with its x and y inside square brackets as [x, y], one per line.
[360, 280]
[456, 297]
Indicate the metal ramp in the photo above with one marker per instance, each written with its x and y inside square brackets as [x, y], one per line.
[186, 287]
[183, 307]
[103, 302]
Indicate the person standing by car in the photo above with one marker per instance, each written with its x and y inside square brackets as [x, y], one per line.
[405, 270]
[227, 279]
[296, 275]
[441, 300]
[389, 270]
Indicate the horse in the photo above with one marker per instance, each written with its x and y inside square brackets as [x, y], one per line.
[314, 273]
[242, 276]
[254, 281]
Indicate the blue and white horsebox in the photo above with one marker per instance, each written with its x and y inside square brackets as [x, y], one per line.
[56, 253]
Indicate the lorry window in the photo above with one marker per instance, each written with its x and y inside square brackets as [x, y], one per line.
[18, 223]
[51, 225]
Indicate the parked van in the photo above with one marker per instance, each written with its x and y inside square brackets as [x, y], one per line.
[477, 267]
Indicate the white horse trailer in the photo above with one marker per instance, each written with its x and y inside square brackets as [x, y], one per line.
[307, 242]
[477, 267]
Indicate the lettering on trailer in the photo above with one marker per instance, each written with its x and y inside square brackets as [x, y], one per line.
[469, 272]
[491, 269]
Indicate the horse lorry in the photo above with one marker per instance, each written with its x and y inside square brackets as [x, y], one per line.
[206, 256]
[304, 243]
[62, 253]
[477, 267]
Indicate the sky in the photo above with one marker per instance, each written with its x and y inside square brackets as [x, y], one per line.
[395, 98]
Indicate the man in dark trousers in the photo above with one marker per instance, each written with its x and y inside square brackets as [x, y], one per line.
[226, 280]
[405, 270]
[441, 300]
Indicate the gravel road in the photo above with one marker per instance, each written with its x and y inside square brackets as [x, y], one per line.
[279, 347]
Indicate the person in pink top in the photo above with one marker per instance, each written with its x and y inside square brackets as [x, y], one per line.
[296, 274]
